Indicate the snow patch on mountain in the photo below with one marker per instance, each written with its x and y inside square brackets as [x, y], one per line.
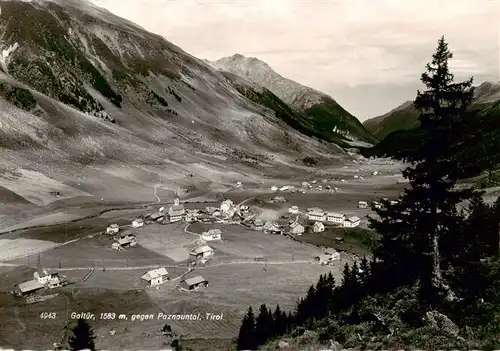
[4, 58]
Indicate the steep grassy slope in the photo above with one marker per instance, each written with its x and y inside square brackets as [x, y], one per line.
[403, 117]
[331, 119]
[296, 119]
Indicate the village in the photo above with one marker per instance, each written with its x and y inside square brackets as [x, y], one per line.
[291, 223]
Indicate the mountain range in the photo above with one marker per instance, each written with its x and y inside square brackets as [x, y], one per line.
[405, 116]
[315, 111]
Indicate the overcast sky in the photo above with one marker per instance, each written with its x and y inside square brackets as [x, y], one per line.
[367, 54]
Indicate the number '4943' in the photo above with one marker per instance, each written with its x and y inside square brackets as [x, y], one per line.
[48, 315]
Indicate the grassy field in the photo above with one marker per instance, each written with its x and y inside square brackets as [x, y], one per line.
[358, 241]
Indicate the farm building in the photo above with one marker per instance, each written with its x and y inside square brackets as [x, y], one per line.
[274, 188]
[278, 200]
[317, 216]
[175, 212]
[272, 228]
[194, 283]
[137, 223]
[28, 287]
[323, 259]
[202, 251]
[304, 184]
[376, 204]
[293, 209]
[212, 234]
[318, 227]
[285, 188]
[156, 217]
[332, 253]
[125, 241]
[296, 228]
[258, 224]
[239, 184]
[393, 202]
[362, 204]
[352, 222]
[51, 280]
[335, 217]
[112, 229]
[156, 276]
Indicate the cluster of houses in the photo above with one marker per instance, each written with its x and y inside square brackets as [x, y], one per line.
[318, 215]
[159, 276]
[305, 185]
[41, 280]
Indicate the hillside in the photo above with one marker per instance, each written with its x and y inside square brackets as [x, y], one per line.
[330, 120]
[405, 116]
[86, 92]
[402, 117]
[290, 115]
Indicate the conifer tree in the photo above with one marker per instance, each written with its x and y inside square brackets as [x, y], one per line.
[263, 325]
[83, 337]
[412, 229]
[280, 321]
[305, 307]
[246, 335]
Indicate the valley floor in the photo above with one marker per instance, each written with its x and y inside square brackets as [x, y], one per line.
[67, 237]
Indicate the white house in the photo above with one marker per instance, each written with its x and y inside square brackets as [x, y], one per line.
[335, 217]
[352, 222]
[156, 276]
[274, 188]
[176, 211]
[112, 229]
[238, 184]
[285, 188]
[362, 204]
[137, 223]
[318, 227]
[50, 280]
[226, 206]
[293, 209]
[202, 251]
[394, 202]
[317, 216]
[296, 228]
[212, 234]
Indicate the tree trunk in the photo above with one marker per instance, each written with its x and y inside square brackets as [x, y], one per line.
[436, 267]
